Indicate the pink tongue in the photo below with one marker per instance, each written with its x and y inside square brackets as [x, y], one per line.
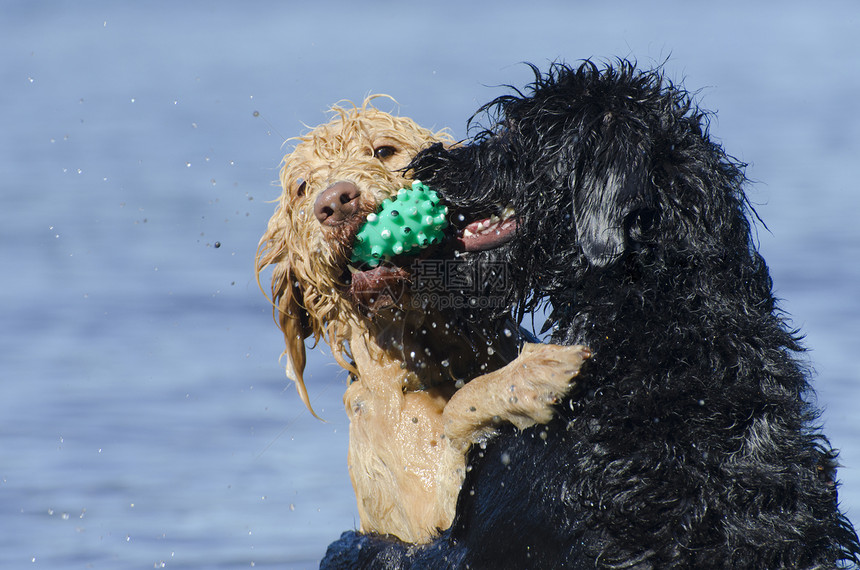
[379, 287]
[481, 240]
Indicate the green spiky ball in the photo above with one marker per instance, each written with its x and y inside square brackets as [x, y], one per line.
[405, 224]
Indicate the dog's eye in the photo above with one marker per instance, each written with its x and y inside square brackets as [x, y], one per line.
[301, 187]
[642, 224]
[383, 152]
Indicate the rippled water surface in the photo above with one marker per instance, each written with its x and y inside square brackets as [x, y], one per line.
[144, 418]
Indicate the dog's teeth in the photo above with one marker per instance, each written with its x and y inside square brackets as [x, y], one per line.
[467, 233]
[508, 212]
[494, 219]
[352, 269]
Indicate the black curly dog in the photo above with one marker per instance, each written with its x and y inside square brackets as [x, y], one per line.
[693, 444]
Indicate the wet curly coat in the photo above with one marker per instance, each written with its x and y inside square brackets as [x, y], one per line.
[694, 444]
[410, 426]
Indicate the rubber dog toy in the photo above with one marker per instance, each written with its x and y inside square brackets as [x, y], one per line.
[405, 224]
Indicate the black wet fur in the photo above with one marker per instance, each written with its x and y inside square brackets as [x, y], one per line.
[694, 444]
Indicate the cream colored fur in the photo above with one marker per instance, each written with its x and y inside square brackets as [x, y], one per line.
[410, 427]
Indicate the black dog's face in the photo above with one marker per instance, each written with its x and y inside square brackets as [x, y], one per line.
[587, 169]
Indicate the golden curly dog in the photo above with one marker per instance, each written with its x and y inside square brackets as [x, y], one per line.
[410, 425]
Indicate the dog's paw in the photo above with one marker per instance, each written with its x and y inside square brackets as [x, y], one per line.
[539, 378]
[557, 363]
[521, 393]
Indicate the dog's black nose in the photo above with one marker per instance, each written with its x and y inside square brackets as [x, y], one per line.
[337, 203]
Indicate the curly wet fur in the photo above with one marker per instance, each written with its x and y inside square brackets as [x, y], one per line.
[307, 289]
[694, 444]
[394, 461]
[410, 425]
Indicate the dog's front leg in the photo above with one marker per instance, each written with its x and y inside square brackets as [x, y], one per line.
[521, 393]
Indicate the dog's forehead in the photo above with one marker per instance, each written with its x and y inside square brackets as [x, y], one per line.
[354, 136]
[365, 128]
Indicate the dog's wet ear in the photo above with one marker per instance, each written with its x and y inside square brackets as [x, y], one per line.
[287, 302]
[603, 199]
[294, 321]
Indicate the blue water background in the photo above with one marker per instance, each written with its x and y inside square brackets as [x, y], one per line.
[144, 418]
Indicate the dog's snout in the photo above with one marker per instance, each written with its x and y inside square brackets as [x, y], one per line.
[337, 203]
